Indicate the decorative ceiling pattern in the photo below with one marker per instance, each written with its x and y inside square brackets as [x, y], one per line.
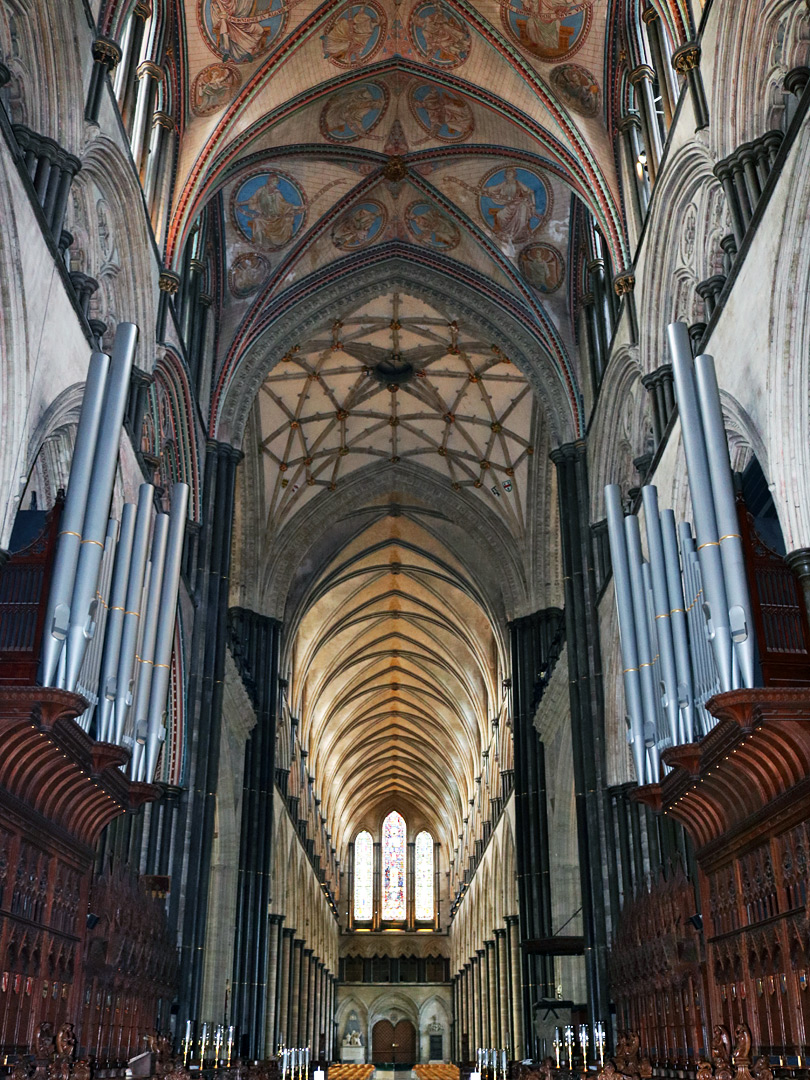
[396, 381]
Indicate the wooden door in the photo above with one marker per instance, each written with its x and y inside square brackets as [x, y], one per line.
[404, 1043]
[382, 1042]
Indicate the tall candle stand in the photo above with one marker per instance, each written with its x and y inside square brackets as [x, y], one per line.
[557, 1044]
[188, 1042]
[583, 1042]
[599, 1039]
[569, 1044]
[203, 1044]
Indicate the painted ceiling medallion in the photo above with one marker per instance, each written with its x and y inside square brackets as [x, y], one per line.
[442, 113]
[247, 272]
[214, 88]
[543, 267]
[431, 226]
[355, 34]
[439, 34]
[513, 203]
[241, 30]
[353, 113]
[548, 29]
[578, 89]
[359, 226]
[269, 208]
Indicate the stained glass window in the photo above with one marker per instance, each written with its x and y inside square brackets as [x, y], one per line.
[393, 858]
[363, 877]
[424, 877]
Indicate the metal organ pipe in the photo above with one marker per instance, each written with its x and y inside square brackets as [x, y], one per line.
[678, 625]
[132, 614]
[115, 626]
[725, 505]
[627, 630]
[708, 547]
[164, 640]
[658, 575]
[57, 617]
[83, 603]
[645, 654]
[147, 644]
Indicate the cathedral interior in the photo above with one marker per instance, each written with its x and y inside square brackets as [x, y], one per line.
[405, 539]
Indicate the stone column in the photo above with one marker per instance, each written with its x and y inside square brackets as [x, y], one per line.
[596, 273]
[295, 993]
[587, 710]
[106, 57]
[653, 22]
[127, 78]
[630, 128]
[410, 884]
[799, 563]
[257, 643]
[162, 126]
[205, 692]
[150, 77]
[467, 1028]
[168, 283]
[504, 1028]
[305, 1015]
[273, 982]
[283, 1034]
[516, 1012]
[376, 911]
[642, 78]
[722, 171]
[481, 997]
[492, 971]
[686, 61]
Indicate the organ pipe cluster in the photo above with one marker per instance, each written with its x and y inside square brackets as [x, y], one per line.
[109, 626]
[684, 613]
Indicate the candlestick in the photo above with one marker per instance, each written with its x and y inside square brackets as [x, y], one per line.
[231, 1033]
[569, 1042]
[599, 1038]
[187, 1041]
[557, 1044]
[583, 1042]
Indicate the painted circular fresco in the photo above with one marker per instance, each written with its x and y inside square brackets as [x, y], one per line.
[548, 29]
[353, 113]
[431, 226]
[442, 113]
[513, 203]
[359, 226]
[542, 266]
[578, 89]
[439, 34]
[247, 272]
[214, 88]
[355, 34]
[269, 208]
[241, 30]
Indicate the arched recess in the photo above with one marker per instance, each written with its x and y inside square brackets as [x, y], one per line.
[313, 304]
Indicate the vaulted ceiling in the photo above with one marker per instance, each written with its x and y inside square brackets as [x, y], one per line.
[395, 182]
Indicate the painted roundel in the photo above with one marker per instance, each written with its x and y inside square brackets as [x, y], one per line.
[542, 266]
[578, 89]
[353, 113]
[442, 113]
[355, 34]
[359, 226]
[548, 29]
[431, 226]
[513, 203]
[241, 30]
[269, 208]
[214, 87]
[439, 34]
[247, 272]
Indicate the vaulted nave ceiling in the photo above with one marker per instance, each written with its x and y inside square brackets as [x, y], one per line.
[393, 185]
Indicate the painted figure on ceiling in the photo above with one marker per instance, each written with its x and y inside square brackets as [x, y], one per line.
[441, 35]
[447, 115]
[349, 36]
[511, 221]
[271, 215]
[549, 29]
[240, 28]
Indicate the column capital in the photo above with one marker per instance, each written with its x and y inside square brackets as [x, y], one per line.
[151, 69]
[625, 283]
[511, 920]
[288, 931]
[568, 452]
[649, 16]
[595, 264]
[499, 932]
[143, 9]
[162, 119]
[169, 282]
[643, 71]
[490, 944]
[686, 58]
[276, 920]
[106, 52]
[630, 121]
[796, 80]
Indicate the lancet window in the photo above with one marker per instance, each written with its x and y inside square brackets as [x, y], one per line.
[363, 877]
[423, 886]
[393, 859]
